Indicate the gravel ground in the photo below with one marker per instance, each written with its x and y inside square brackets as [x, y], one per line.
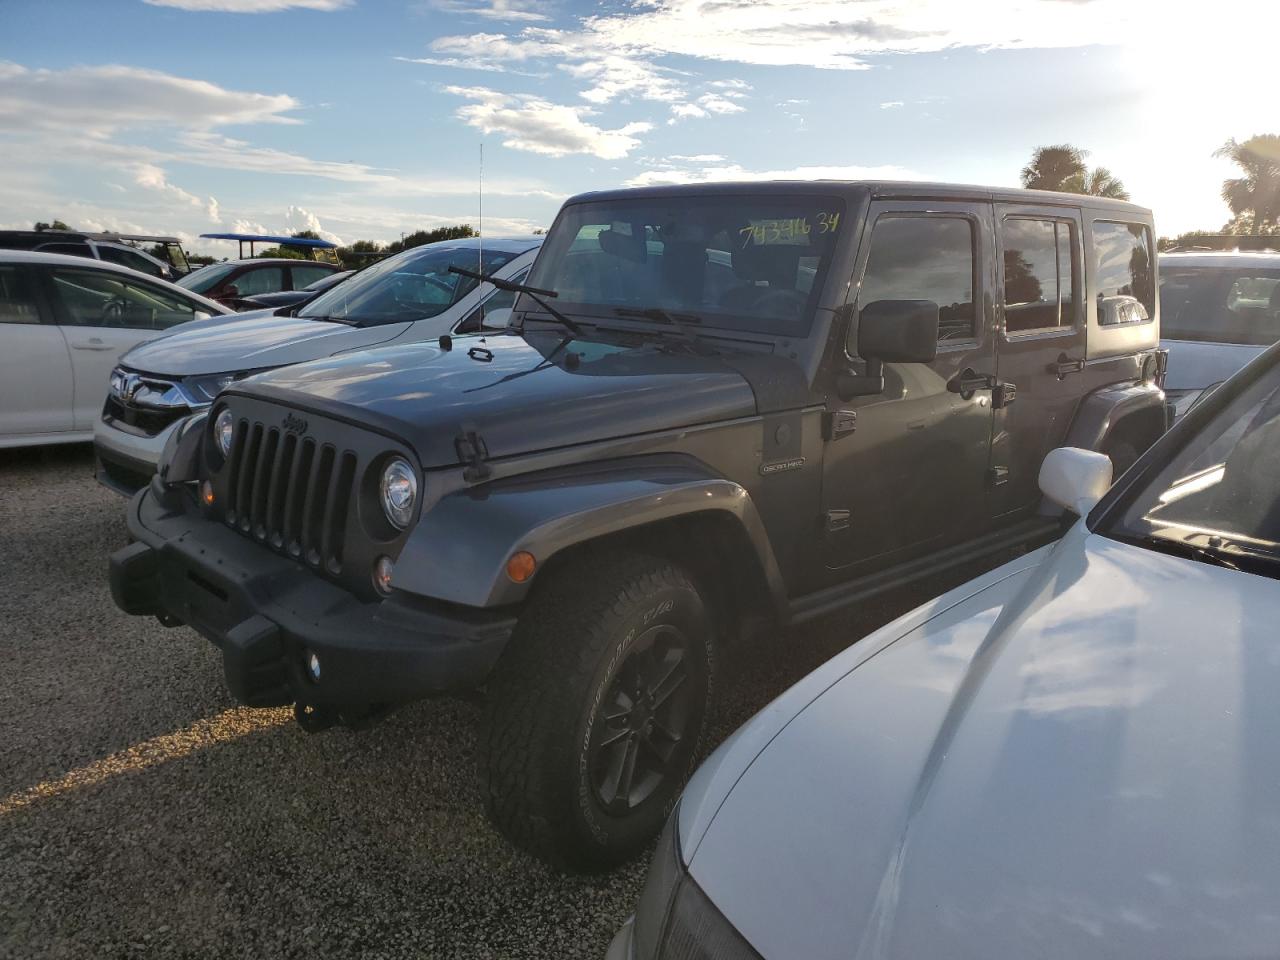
[143, 814]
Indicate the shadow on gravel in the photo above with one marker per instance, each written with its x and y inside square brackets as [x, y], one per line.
[143, 814]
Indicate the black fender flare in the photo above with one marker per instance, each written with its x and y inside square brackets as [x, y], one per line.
[458, 551]
[1101, 412]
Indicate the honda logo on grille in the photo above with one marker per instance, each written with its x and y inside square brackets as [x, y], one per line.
[126, 385]
[294, 424]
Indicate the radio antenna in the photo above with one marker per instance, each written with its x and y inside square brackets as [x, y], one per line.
[481, 208]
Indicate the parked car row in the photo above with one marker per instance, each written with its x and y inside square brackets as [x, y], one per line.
[579, 472]
[713, 408]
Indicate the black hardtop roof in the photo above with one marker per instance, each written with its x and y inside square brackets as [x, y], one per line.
[877, 189]
[71, 235]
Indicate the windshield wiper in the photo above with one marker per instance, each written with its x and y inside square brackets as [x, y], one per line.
[536, 293]
[1181, 548]
[348, 321]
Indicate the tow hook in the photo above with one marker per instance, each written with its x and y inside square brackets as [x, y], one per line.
[312, 718]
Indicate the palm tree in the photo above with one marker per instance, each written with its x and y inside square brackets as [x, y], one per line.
[1051, 167]
[1062, 167]
[1098, 182]
[1254, 199]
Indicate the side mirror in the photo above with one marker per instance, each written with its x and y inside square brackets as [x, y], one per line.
[1075, 479]
[891, 331]
[1116, 310]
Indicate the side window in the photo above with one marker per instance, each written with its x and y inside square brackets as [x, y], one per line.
[1038, 275]
[17, 299]
[1125, 272]
[305, 276]
[923, 258]
[92, 299]
[128, 259]
[494, 312]
[262, 280]
[70, 249]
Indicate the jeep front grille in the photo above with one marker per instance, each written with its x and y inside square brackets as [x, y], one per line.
[291, 492]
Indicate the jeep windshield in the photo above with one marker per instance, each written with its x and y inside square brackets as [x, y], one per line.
[412, 285]
[742, 263]
[1218, 498]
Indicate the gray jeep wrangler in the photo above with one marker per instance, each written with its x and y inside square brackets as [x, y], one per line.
[714, 407]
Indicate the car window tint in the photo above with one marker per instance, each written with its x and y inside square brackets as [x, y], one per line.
[93, 299]
[70, 249]
[1125, 271]
[1038, 275]
[261, 280]
[17, 300]
[303, 276]
[923, 258]
[1220, 305]
[127, 258]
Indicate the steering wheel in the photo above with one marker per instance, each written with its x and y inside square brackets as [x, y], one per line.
[113, 312]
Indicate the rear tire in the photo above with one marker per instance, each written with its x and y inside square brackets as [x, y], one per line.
[596, 710]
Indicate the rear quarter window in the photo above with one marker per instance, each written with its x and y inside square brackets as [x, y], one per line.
[1124, 272]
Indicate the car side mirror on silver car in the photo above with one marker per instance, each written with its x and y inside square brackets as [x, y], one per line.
[1075, 479]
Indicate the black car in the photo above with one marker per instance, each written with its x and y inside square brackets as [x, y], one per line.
[717, 409]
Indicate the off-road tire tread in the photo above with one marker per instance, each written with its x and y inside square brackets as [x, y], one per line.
[545, 671]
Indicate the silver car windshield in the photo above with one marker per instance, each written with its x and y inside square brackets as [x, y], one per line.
[409, 286]
[1220, 494]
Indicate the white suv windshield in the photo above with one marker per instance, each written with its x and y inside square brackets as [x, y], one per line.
[409, 286]
[749, 263]
[1220, 305]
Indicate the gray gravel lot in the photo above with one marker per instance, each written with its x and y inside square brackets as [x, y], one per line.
[143, 814]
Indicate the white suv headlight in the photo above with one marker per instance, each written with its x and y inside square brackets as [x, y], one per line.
[399, 489]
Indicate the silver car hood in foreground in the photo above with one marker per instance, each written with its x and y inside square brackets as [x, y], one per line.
[1077, 755]
[252, 342]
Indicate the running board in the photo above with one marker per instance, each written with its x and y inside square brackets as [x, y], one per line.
[1034, 532]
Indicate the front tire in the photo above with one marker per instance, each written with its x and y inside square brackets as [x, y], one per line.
[596, 711]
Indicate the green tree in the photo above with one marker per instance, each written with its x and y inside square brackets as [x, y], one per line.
[41, 226]
[419, 237]
[1062, 167]
[1254, 199]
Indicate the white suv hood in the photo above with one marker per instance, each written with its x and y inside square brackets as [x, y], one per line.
[252, 343]
[1078, 760]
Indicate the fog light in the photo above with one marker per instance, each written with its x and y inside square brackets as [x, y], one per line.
[521, 566]
[313, 667]
[206, 493]
[382, 570]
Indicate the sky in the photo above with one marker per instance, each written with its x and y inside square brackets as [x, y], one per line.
[365, 119]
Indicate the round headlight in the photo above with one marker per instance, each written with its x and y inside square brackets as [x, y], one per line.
[223, 430]
[399, 492]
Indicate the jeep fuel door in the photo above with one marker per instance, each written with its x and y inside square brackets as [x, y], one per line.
[910, 475]
[1040, 300]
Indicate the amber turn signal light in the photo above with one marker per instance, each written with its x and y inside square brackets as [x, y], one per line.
[520, 566]
[206, 493]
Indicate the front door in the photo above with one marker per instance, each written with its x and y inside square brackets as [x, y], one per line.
[1040, 346]
[35, 373]
[905, 470]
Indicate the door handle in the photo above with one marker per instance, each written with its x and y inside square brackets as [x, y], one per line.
[1066, 365]
[91, 346]
[967, 382]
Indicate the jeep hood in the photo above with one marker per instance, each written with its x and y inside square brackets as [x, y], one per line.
[1077, 761]
[250, 342]
[521, 394]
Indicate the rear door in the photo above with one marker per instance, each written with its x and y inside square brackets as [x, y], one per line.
[36, 390]
[1040, 310]
[102, 314]
[905, 470]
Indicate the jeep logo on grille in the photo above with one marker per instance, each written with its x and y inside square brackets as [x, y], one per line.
[294, 424]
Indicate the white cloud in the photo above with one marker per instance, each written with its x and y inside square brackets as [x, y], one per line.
[297, 219]
[96, 101]
[250, 6]
[891, 104]
[671, 174]
[211, 210]
[151, 177]
[538, 126]
[215, 150]
[493, 9]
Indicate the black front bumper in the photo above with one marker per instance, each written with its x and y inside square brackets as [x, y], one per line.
[268, 614]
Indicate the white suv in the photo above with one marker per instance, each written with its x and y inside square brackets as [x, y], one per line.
[411, 296]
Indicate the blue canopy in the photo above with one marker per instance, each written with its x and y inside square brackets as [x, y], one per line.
[279, 241]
